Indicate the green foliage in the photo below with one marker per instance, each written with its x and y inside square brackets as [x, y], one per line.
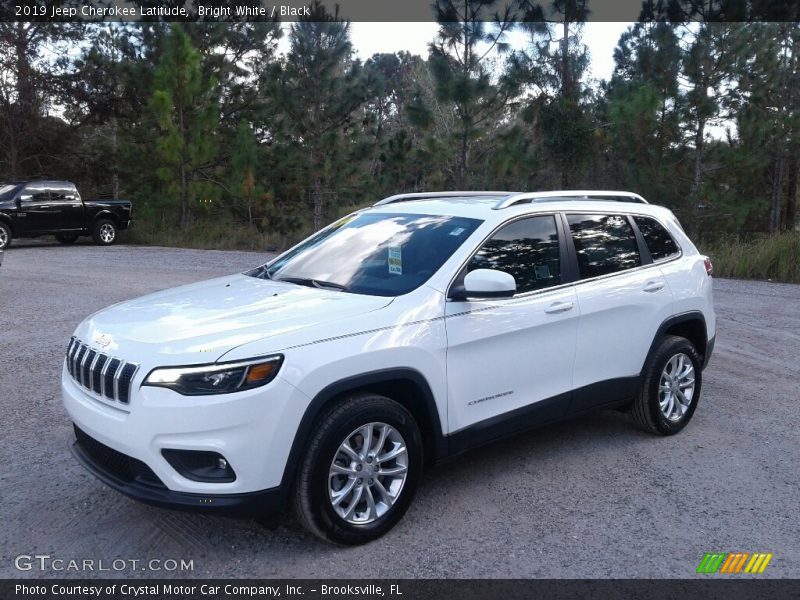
[185, 110]
[767, 257]
[220, 139]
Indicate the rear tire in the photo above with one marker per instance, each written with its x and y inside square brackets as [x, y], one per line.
[349, 490]
[67, 238]
[5, 236]
[670, 389]
[104, 232]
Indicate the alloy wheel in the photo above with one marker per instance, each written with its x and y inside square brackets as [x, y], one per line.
[676, 387]
[367, 473]
[107, 233]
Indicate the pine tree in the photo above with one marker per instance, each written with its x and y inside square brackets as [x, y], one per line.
[462, 62]
[185, 108]
[315, 95]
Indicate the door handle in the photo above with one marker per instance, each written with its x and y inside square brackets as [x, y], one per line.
[653, 286]
[559, 307]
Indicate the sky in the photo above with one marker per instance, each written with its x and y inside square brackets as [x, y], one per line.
[371, 38]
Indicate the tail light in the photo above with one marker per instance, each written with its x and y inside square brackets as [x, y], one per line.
[709, 266]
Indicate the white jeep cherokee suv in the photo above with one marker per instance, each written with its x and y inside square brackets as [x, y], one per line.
[400, 335]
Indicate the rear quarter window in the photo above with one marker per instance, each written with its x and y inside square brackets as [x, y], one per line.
[657, 238]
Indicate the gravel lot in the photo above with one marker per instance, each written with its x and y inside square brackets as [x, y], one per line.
[587, 498]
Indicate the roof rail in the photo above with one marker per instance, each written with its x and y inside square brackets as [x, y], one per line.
[432, 195]
[528, 197]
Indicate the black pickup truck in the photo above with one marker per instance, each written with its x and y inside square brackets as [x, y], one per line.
[37, 208]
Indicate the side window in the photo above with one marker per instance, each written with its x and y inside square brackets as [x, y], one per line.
[658, 239]
[527, 249]
[604, 244]
[34, 193]
[61, 195]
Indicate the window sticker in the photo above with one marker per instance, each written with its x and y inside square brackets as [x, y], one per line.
[542, 271]
[395, 261]
[458, 231]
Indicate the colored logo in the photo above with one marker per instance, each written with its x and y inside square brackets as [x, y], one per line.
[734, 562]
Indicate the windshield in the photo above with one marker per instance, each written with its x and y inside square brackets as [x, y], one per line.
[378, 254]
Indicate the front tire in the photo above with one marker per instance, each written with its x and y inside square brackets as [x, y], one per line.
[104, 232]
[670, 390]
[5, 236]
[361, 470]
[67, 238]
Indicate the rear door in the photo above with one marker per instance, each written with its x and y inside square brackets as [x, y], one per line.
[623, 298]
[67, 209]
[509, 361]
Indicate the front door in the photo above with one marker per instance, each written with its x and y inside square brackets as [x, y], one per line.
[509, 361]
[33, 213]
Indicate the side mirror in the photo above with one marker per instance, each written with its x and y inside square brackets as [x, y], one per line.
[485, 283]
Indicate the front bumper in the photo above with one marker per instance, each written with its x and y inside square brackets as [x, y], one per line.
[253, 430]
[150, 491]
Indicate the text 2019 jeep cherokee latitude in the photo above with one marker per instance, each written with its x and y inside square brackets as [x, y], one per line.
[399, 335]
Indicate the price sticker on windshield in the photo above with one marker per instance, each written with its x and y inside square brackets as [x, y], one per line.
[395, 260]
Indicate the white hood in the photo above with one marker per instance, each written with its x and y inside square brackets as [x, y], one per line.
[198, 323]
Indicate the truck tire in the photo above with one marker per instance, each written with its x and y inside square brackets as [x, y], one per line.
[5, 235]
[360, 470]
[67, 238]
[104, 232]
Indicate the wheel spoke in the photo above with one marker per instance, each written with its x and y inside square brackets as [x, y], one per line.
[340, 470]
[366, 433]
[342, 494]
[384, 493]
[687, 383]
[672, 364]
[670, 406]
[373, 511]
[354, 502]
[381, 439]
[393, 471]
[393, 453]
[348, 449]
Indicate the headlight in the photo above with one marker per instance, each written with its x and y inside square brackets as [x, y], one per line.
[221, 378]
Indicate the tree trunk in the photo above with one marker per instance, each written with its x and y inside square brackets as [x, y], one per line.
[566, 76]
[790, 216]
[316, 192]
[699, 140]
[114, 164]
[777, 194]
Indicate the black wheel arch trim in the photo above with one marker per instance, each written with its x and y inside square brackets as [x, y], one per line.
[8, 222]
[106, 214]
[438, 443]
[686, 317]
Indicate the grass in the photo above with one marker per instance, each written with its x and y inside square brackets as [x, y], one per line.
[775, 258]
[208, 235]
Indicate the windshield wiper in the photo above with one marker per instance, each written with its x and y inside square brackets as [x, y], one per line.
[317, 283]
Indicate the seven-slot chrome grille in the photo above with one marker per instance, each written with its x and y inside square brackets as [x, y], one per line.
[102, 374]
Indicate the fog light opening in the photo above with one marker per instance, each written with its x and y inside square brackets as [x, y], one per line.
[200, 465]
